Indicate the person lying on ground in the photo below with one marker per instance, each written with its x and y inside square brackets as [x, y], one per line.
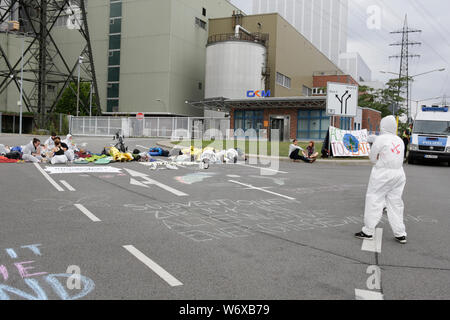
[4, 149]
[32, 151]
[310, 151]
[294, 150]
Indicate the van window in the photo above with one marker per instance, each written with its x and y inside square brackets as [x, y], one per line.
[432, 127]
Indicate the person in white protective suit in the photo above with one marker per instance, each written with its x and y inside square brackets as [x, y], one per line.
[231, 156]
[72, 148]
[386, 183]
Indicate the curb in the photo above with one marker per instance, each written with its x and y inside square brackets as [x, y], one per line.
[166, 144]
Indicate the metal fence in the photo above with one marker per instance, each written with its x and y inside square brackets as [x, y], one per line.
[159, 127]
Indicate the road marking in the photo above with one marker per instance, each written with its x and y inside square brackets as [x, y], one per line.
[375, 244]
[171, 280]
[368, 295]
[142, 147]
[233, 176]
[68, 186]
[149, 181]
[261, 189]
[89, 214]
[45, 174]
[261, 168]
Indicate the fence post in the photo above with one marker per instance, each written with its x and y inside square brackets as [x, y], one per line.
[96, 125]
[84, 125]
[157, 128]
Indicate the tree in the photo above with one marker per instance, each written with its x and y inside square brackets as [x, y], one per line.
[68, 102]
[384, 100]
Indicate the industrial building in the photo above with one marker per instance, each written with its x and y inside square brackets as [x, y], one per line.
[262, 71]
[149, 56]
[323, 22]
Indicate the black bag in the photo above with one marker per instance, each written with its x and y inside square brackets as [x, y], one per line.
[15, 155]
[165, 153]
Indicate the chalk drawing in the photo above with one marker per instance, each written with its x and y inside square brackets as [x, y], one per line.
[39, 293]
[34, 279]
[220, 219]
[192, 178]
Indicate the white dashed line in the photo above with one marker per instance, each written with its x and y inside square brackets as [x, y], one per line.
[171, 280]
[261, 189]
[68, 186]
[375, 244]
[261, 168]
[45, 174]
[89, 214]
[368, 295]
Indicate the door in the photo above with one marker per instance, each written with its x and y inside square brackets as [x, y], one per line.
[277, 124]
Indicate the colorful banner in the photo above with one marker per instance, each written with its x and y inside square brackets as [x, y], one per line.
[346, 143]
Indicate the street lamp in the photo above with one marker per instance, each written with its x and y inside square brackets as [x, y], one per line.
[21, 86]
[411, 77]
[80, 61]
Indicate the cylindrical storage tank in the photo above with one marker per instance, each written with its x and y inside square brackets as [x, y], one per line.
[233, 68]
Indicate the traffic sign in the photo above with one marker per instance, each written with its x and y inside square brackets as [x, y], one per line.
[140, 116]
[342, 99]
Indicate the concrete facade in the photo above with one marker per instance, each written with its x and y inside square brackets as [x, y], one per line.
[289, 53]
[162, 53]
[323, 22]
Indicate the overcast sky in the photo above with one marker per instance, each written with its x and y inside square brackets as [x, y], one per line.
[431, 16]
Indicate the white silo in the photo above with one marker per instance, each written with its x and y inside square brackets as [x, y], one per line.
[234, 66]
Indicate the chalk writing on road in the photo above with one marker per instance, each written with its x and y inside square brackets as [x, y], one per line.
[227, 219]
[34, 283]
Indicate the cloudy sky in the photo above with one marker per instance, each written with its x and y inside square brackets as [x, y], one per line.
[431, 16]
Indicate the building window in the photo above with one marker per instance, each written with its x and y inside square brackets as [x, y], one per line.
[248, 119]
[115, 25]
[283, 80]
[200, 23]
[312, 124]
[113, 90]
[345, 123]
[306, 91]
[200, 86]
[114, 58]
[204, 12]
[113, 74]
[115, 10]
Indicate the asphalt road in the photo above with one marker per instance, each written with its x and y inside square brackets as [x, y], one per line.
[229, 232]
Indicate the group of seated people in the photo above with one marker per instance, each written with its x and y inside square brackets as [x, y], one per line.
[309, 155]
[54, 150]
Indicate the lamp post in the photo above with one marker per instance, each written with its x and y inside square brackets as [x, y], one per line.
[21, 86]
[80, 61]
[410, 78]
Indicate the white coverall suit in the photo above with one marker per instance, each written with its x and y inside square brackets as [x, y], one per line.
[387, 180]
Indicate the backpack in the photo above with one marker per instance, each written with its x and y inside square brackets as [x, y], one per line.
[14, 155]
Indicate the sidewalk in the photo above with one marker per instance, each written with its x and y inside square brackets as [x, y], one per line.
[167, 144]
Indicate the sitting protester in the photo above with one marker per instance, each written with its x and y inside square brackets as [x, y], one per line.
[50, 142]
[310, 152]
[4, 150]
[32, 151]
[69, 141]
[59, 152]
[294, 150]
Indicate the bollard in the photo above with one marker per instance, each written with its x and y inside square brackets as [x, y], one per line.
[1, 123]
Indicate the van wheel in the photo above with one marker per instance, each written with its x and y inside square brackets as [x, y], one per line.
[448, 163]
[411, 160]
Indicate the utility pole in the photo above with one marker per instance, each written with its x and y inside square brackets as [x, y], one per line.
[404, 57]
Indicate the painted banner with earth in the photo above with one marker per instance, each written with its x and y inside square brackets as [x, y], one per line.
[348, 143]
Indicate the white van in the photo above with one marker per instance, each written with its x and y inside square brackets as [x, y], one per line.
[430, 138]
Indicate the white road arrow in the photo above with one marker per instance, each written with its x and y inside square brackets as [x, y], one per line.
[150, 181]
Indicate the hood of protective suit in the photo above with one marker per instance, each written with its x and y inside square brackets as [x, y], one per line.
[388, 125]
